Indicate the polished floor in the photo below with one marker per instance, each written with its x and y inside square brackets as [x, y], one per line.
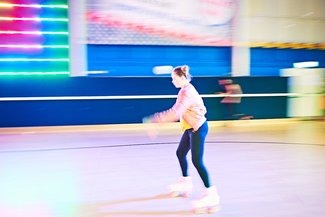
[261, 169]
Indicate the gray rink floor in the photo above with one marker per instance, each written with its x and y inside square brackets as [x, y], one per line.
[272, 169]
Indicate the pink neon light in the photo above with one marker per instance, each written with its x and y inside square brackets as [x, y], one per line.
[10, 5]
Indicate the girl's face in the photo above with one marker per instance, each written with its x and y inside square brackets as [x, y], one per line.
[177, 80]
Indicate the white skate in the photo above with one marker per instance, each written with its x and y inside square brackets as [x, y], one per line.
[183, 188]
[209, 203]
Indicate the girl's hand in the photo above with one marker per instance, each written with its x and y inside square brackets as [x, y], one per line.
[150, 126]
[147, 120]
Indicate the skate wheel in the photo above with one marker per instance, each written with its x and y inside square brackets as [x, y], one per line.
[184, 194]
[173, 194]
[206, 210]
[213, 209]
[199, 211]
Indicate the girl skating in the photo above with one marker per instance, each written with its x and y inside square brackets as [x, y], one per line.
[190, 110]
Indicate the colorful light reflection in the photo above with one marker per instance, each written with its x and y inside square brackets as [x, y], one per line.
[31, 188]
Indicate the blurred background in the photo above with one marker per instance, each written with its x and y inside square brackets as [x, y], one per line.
[78, 76]
[109, 61]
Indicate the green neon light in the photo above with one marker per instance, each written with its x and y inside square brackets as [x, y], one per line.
[16, 71]
[34, 73]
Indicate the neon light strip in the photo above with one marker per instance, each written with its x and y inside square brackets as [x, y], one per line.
[8, 5]
[33, 19]
[34, 73]
[32, 46]
[34, 33]
[30, 60]
[133, 97]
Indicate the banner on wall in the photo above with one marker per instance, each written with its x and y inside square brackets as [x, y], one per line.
[160, 22]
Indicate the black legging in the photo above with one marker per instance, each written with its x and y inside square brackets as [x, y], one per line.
[195, 142]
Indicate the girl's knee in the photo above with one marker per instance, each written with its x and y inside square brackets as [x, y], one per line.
[197, 163]
[180, 154]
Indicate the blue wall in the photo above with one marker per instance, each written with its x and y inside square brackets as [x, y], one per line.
[132, 60]
[118, 111]
[269, 61]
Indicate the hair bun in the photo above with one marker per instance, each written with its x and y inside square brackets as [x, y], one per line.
[185, 69]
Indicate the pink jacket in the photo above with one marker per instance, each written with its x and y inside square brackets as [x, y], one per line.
[189, 106]
[232, 89]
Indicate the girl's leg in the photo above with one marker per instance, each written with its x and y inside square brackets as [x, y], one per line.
[184, 185]
[182, 150]
[197, 147]
[209, 202]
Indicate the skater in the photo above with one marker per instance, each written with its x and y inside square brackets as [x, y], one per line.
[190, 110]
[231, 103]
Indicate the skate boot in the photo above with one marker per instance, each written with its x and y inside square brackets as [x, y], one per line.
[209, 203]
[183, 188]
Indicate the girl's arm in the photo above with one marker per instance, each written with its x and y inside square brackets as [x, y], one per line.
[174, 113]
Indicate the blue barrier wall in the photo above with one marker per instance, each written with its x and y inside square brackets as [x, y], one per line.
[131, 60]
[269, 61]
[118, 111]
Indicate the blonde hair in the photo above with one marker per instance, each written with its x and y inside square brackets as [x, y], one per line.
[183, 71]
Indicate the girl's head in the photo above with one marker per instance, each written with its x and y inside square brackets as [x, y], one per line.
[181, 76]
